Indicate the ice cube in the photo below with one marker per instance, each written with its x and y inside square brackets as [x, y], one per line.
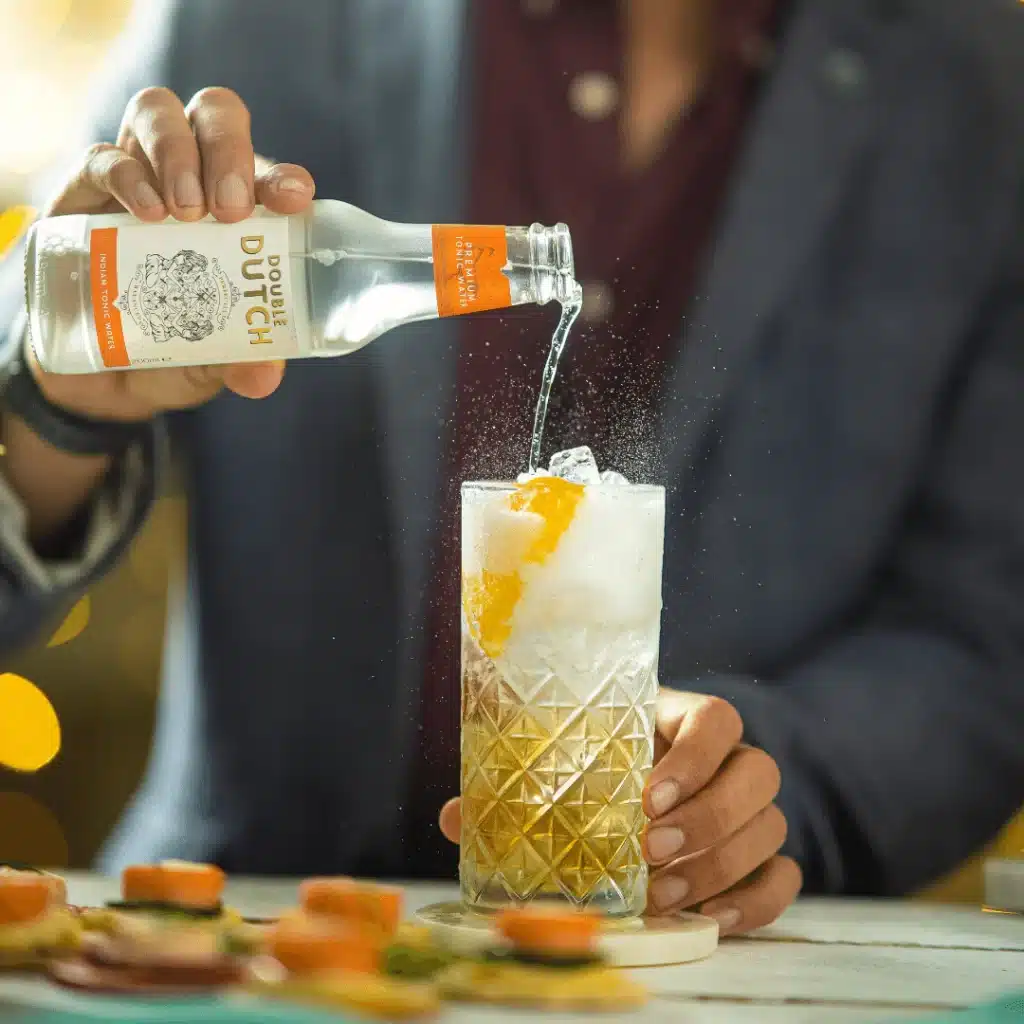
[525, 478]
[575, 464]
[609, 476]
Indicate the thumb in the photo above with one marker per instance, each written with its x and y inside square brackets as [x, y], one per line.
[254, 380]
[451, 820]
[186, 387]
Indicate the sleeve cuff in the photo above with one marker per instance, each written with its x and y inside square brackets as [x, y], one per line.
[113, 516]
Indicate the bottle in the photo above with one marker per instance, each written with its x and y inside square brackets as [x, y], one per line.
[109, 292]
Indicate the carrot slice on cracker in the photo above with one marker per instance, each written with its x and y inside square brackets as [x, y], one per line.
[178, 882]
[25, 897]
[305, 945]
[555, 932]
[347, 899]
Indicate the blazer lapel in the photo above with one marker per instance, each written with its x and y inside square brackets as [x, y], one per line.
[811, 129]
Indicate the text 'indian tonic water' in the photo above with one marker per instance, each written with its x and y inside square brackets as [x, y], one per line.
[561, 602]
[109, 292]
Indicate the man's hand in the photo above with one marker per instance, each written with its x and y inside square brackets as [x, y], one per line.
[171, 160]
[715, 833]
[183, 162]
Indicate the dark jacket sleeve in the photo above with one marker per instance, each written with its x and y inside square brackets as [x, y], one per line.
[902, 743]
[33, 590]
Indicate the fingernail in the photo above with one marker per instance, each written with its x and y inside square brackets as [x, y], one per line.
[146, 196]
[291, 185]
[727, 918]
[664, 796]
[663, 843]
[232, 192]
[187, 190]
[668, 892]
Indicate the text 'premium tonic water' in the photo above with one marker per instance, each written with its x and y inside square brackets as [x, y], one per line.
[109, 292]
[561, 600]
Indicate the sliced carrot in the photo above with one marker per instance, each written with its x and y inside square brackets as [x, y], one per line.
[347, 899]
[24, 896]
[177, 882]
[542, 930]
[303, 944]
[58, 886]
[56, 883]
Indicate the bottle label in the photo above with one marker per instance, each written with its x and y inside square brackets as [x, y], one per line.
[189, 294]
[468, 265]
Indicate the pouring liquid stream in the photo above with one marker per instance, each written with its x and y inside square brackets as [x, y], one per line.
[570, 311]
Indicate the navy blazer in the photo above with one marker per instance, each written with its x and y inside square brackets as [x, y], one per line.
[841, 444]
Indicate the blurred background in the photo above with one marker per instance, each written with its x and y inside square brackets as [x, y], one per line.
[103, 681]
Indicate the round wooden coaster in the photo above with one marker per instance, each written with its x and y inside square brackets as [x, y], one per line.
[632, 942]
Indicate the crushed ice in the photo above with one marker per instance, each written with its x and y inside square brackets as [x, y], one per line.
[579, 466]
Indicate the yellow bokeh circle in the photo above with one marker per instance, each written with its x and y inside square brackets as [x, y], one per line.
[29, 729]
[77, 619]
[14, 222]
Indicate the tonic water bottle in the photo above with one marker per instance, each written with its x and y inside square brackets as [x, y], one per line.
[109, 292]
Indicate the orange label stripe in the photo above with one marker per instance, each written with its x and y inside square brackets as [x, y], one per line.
[468, 264]
[103, 282]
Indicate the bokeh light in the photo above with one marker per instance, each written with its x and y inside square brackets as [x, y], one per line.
[29, 833]
[50, 56]
[14, 222]
[33, 22]
[77, 619]
[29, 728]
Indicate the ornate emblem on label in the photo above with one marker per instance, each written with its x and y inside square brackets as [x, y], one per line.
[186, 296]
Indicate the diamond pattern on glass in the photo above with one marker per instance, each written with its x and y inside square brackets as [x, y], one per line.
[552, 777]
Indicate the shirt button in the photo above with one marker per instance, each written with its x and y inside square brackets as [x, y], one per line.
[598, 302]
[539, 8]
[846, 71]
[593, 95]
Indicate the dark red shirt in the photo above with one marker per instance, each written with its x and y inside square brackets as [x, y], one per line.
[546, 147]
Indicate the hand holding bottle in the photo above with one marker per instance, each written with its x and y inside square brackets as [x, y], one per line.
[170, 161]
[182, 162]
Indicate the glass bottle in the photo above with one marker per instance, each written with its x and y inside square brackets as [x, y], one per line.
[109, 292]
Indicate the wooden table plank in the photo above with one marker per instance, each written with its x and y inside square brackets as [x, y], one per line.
[768, 971]
[668, 1012]
[896, 923]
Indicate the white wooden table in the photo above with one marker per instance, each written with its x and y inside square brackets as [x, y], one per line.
[826, 961]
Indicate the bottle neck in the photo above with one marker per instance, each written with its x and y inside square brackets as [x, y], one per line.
[540, 264]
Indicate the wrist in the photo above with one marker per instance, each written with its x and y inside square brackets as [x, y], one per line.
[86, 397]
[64, 430]
[52, 485]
